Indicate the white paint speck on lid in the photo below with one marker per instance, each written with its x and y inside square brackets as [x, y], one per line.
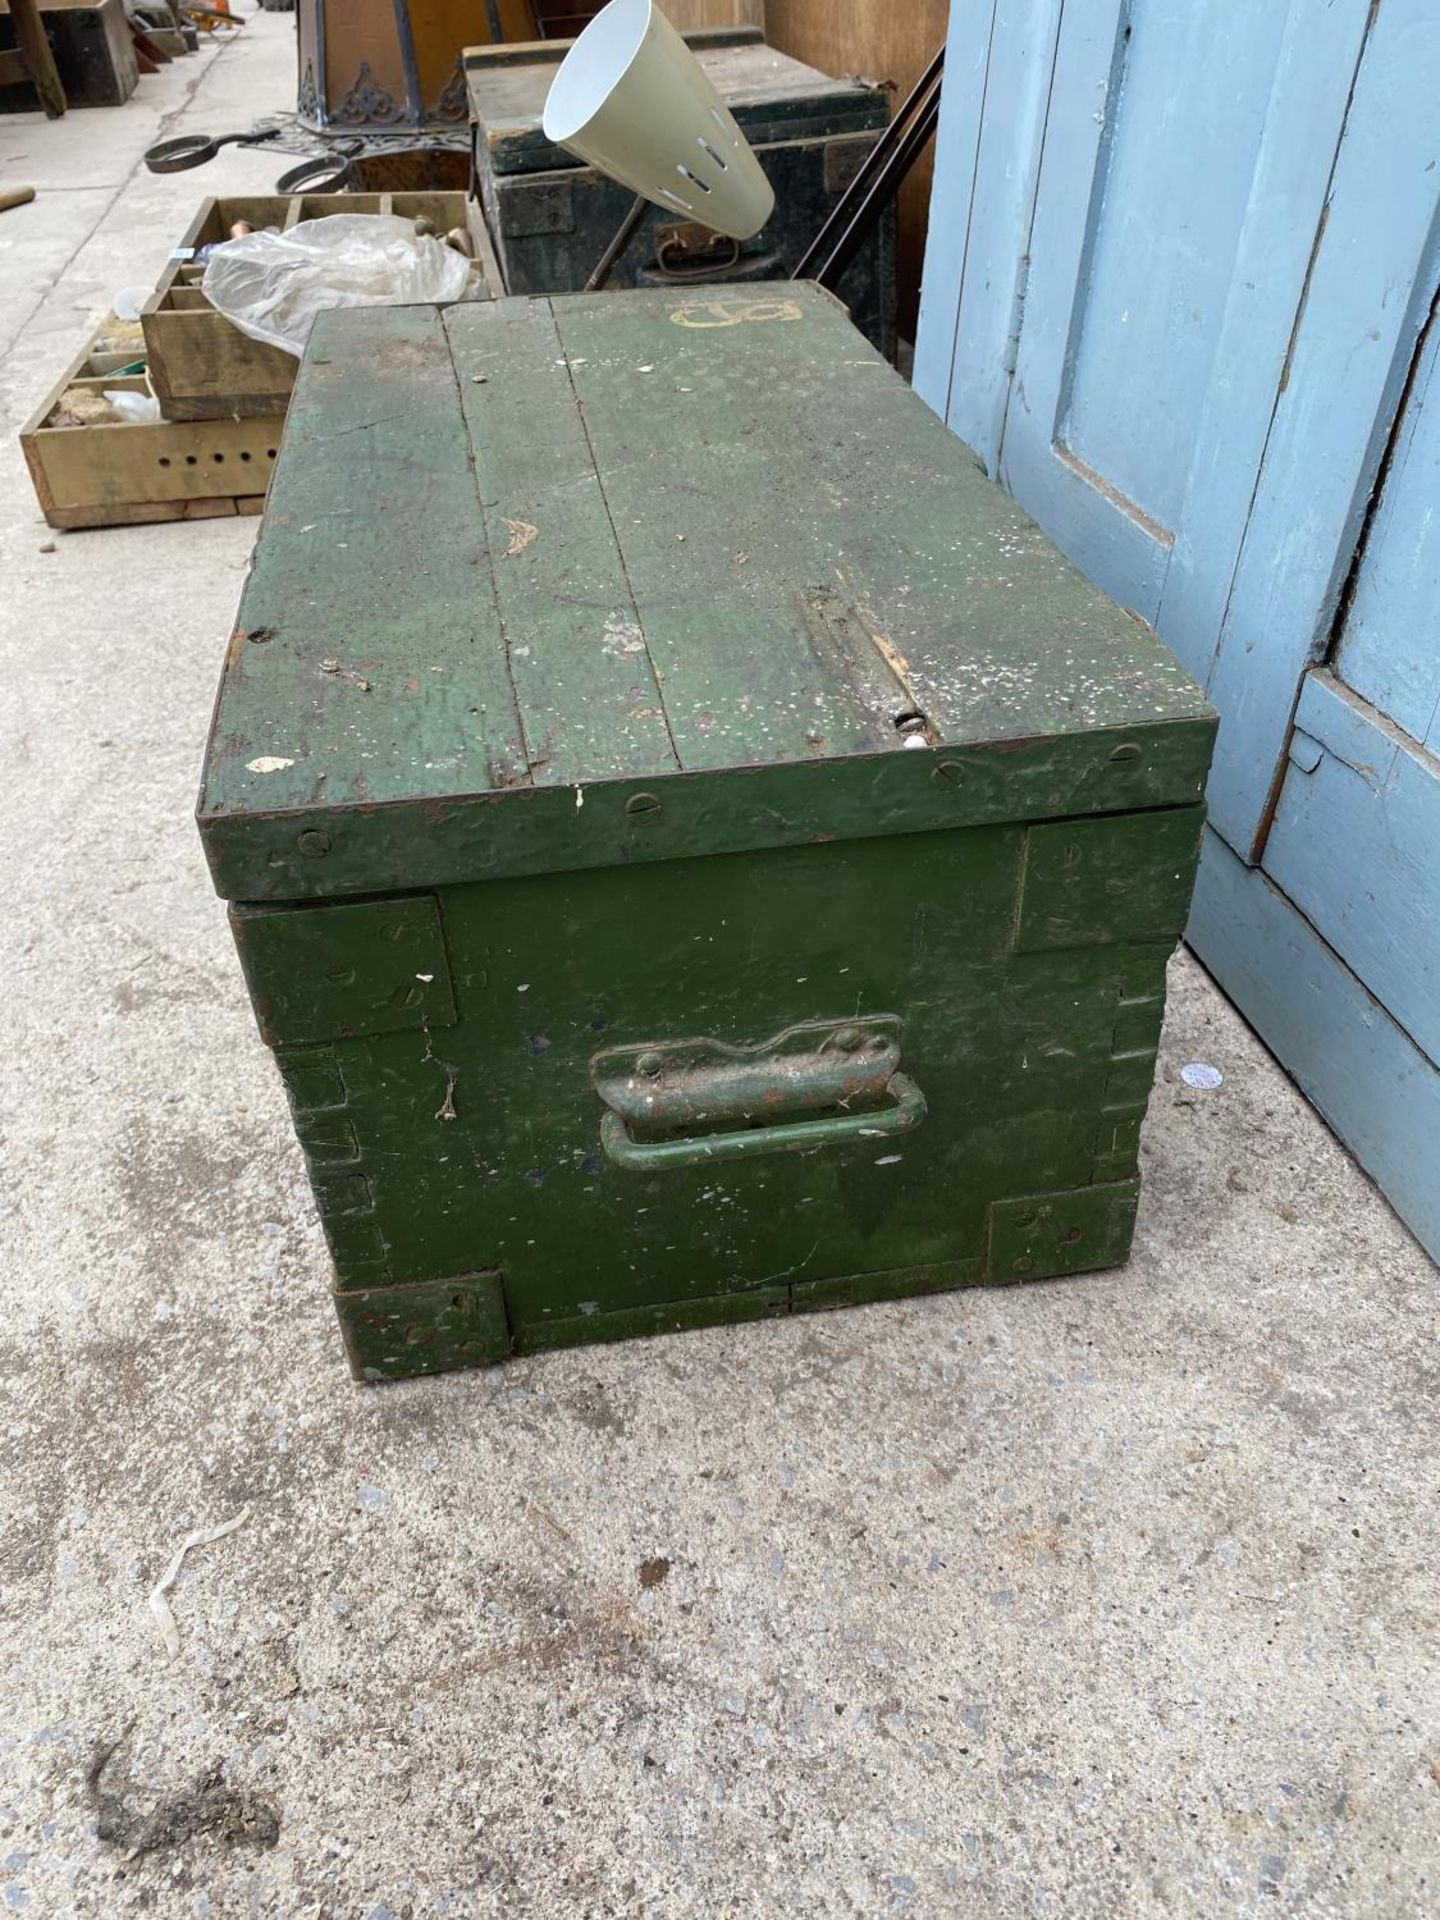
[268, 763]
[889, 1159]
[426, 977]
[1198, 1074]
[524, 989]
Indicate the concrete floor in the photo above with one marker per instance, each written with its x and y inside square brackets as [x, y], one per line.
[1114, 1596]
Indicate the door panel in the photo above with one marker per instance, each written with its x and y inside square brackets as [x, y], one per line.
[1355, 840]
[1356, 846]
[1187, 152]
[1389, 649]
[1168, 198]
[998, 65]
[1113, 536]
[1294, 165]
[1367, 298]
[1219, 356]
[1363, 1071]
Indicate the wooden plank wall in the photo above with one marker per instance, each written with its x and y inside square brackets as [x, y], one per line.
[885, 40]
[688, 14]
[563, 19]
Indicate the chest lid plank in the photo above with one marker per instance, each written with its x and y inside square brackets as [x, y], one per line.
[549, 583]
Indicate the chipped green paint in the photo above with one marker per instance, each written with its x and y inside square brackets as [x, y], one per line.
[584, 681]
[744, 468]
[593, 868]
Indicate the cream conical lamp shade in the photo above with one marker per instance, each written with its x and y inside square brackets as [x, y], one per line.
[632, 99]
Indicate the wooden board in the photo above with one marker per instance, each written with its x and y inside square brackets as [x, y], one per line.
[687, 15]
[891, 43]
[131, 472]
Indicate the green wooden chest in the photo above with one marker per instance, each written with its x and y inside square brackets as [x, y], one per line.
[551, 217]
[696, 849]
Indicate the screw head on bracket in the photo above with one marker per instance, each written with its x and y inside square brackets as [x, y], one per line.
[949, 773]
[314, 843]
[643, 808]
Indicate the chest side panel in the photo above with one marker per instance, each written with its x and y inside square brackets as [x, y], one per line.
[474, 1146]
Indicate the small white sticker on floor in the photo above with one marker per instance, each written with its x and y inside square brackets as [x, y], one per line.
[1197, 1074]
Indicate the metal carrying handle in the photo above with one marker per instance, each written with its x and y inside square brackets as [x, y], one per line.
[790, 1137]
[326, 173]
[194, 149]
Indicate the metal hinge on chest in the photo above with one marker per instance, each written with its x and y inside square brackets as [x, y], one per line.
[323, 973]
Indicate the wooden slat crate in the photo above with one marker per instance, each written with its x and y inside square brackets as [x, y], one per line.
[118, 475]
[202, 367]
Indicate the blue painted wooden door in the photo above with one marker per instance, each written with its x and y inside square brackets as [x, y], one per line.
[1178, 296]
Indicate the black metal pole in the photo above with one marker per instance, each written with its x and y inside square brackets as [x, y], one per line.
[840, 214]
[617, 246]
[881, 189]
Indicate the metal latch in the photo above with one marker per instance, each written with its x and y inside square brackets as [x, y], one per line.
[686, 250]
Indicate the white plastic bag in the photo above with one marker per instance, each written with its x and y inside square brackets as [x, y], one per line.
[135, 407]
[272, 285]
